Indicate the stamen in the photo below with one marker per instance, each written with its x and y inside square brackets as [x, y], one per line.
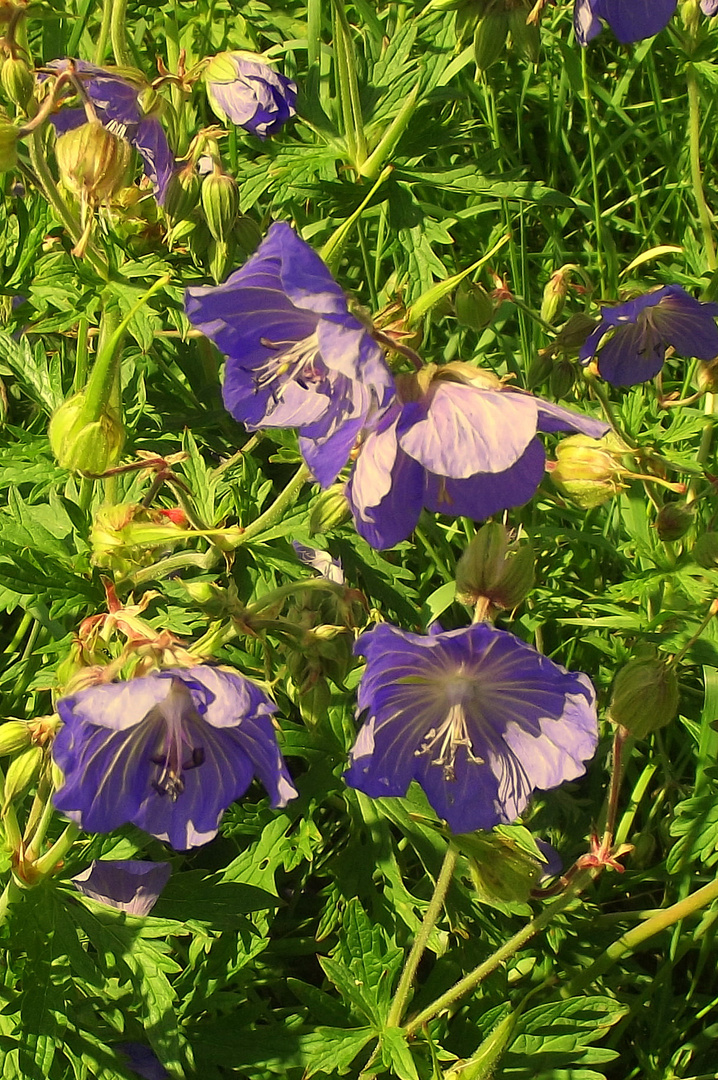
[293, 360]
[451, 734]
[177, 714]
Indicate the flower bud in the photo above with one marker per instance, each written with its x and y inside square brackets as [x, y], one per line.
[501, 871]
[247, 233]
[330, 510]
[126, 536]
[645, 695]
[573, 333]
[22, 771]
[14, 736]
[220, 202]
[540, 368]
[85, 446]
[525, 37]
[220, 258]
[562, 378]
[8, 146]
[705, 551]
[182, 194]
[674, 520]
[586, 470]
[494, 570]
[92, 162]
[554, 296]
[490, 39]
[17, 81]
[473, 306]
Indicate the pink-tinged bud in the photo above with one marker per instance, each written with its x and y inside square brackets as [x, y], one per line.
[220, 202]
[587, 470]
[93, 163]
[17, 81]
[128, 536]
[8, 146]
[674, 520]
[645, 695]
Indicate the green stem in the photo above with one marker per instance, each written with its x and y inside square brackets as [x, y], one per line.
[47, 863]
[348, 87]
[101, 47]
[588, 105]
[504, 953]
[81, 354]
[283, 501]
[67, 216]
[331, 251]
[632, 939]
[420, 941]
[277, 596]
[694, 137]
[11, 893]
[118, 33]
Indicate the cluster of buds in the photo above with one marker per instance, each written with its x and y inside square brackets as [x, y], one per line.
[494, 574]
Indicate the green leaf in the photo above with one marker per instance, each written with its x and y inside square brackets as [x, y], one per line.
[396, 1054]
[331, 1050]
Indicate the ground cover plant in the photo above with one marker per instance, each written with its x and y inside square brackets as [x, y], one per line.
[358, 544]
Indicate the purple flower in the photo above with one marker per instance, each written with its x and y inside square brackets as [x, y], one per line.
[117, 105]
[476, 716]
[296, 357]
[321, 561]
[630, 342]
[168, 752]
[143, 1061]
[630, 20]
[456, 442]
[709, 7]
[243, 88]
[129, 885]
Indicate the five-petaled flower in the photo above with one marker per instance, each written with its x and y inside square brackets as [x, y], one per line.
[115, 101]
[630, 20]
[455, 441]
[630, 342]
[477, 716]
[131, 885]
[168, 752]
[296, 356]
[243, 88]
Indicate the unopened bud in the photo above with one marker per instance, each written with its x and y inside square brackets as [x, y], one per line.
[17, 81]
[587, 470]
[247, 233]
[562, 378]
[674, 520]
[220, 202]
[330, 510]
[92, 161]
[554, 295]
[182, 194]
[8, 146]
[645, 695]
[539, 369]
[14, 736]
[500, 869]
[220, 257]
[525, 37]
[490, 39]
[22, 771]
[705, 551]
[473, 306]
[573, 333]
[85, 446]
[493, 569]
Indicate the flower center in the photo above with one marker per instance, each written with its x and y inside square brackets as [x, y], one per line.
[298, 361]
[177, 752]
[443, 742]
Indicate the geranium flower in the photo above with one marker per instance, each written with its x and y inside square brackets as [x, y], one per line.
[709, 7]
[629, 344]
[245, 89]
[116, 102]
[296, 356]
[130, 885]
[168, 752]
[476, 716]
[456, 442]
[321, 561]
[143, 1061]
[630, 20]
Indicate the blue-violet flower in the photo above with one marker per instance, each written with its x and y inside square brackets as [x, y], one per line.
[476, 716]
[130, 885]
[629, 344]
[168, 752]
[241, 86]
[116, 102]
[296, 356]
[143, 1061]
[630, 20]
[455, 441]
